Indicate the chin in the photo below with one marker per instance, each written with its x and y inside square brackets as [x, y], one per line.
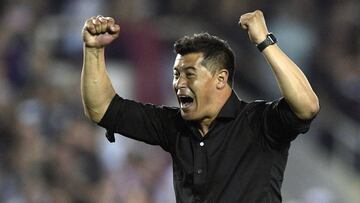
[187, 116]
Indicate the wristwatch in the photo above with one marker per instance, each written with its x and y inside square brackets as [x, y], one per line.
[270, 39]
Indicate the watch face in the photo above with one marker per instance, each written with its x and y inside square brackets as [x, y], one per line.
[272, 38]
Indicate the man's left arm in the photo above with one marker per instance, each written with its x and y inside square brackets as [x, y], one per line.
[293, 83]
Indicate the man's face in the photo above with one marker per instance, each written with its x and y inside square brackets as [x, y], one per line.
[194, 86]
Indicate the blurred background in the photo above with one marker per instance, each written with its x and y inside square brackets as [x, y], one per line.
[49, 151]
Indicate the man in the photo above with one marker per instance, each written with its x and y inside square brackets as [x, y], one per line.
[223, 149]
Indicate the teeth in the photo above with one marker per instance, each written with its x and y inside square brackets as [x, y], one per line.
[184, 105]
[185, 101]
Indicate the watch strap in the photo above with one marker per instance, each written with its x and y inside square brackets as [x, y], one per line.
[270, 40]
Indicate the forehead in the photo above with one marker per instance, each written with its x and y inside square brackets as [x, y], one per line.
[188, 60]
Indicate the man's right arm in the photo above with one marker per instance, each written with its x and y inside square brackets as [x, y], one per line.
[144, 122]
[96, 88]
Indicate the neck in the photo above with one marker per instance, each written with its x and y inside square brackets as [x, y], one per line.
[204, 126]
[219, 102]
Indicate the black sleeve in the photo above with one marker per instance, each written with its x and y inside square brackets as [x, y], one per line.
[143, 122]
[280, 124]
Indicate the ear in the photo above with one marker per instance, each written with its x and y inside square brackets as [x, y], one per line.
[222, 78]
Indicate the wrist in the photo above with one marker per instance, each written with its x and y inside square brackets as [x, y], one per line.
[93, 49]
[260, 39]
[270, 39]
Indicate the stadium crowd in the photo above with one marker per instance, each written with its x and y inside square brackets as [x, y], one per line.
[50, 152]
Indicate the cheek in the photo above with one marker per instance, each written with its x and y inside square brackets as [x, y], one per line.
[204, 93]
[174, 85]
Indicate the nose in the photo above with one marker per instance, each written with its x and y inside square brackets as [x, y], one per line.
[179, 82]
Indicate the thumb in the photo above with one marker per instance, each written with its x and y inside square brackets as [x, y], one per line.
[114, 29]
[244, 26]
[243, 23]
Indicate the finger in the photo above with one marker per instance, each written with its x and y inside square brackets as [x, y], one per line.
[110, 23]
[110, 20]
[91, 29]
[243, 18]
[243, 22]
[258, 13]
[97, 25]
[244, 25]
[103, 23]
[89, 26]
[246, 16]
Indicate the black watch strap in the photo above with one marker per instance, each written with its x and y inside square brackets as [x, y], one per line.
[270, 39]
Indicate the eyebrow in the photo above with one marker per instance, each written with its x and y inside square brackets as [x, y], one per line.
[186, 68]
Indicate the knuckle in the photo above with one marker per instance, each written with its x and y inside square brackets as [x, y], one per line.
[88, 23]
[96, 22]
[110, 20]
[91, 27]
[242, 18]
[102, 20]
[258, 12]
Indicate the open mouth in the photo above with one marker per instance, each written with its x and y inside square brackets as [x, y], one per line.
[185, 101]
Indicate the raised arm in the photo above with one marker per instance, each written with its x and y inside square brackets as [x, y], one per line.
[293, 83]
[96, 88]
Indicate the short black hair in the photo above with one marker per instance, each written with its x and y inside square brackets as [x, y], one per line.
[216, 52]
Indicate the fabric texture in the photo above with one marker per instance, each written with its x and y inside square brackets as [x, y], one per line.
[241, 159]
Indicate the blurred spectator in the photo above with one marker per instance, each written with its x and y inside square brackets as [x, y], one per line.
[49, 151]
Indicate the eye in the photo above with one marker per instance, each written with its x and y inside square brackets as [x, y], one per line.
[190, 75]
[176, 75]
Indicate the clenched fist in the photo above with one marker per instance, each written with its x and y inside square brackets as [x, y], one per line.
[255, 25]
[100, 31]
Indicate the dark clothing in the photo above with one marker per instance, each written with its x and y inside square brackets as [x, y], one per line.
[241, 159]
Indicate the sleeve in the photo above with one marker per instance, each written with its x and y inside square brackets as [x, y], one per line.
[142, 122]
[280, 124]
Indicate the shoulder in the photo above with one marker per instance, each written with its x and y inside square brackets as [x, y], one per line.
[257, 110]
[173, 112]
[256, 106]
[263, 104]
